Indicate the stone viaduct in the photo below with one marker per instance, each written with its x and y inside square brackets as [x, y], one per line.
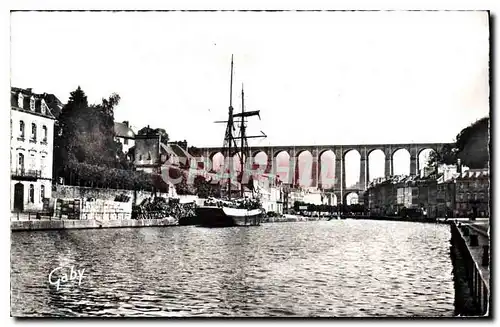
[291, 173]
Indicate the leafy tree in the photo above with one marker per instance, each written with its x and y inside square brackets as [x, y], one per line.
[85, 134]
[447, 155]
[473, 143]
[204, 188]
[156, 131]
[471, 147]
[66, 130]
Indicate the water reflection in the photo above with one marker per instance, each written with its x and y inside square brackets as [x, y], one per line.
[337, 268]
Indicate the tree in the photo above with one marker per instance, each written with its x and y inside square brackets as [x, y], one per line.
[64, 140]
[471, 147]
[85, 133]
[204, 188]
[156, 131]
[447, 155]
[473, 144]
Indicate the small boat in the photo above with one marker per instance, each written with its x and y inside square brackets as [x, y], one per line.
[243, 211]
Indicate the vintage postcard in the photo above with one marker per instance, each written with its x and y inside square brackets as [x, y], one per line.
[250, 164]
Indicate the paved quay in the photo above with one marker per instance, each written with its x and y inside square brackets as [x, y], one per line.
[471, 256]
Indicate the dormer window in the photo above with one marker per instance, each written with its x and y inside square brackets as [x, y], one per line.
[20, 101]
[38, 105]
[44, 108]
[32, 104]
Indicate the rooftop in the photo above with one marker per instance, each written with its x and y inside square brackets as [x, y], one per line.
[52, 103]
[124, 130]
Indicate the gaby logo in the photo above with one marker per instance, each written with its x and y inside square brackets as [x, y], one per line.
[65, 276]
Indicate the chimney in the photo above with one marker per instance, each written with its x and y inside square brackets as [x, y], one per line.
[459, 166]
[125, 122]
[29, 90]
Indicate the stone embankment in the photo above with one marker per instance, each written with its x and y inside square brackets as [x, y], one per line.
[43, 224]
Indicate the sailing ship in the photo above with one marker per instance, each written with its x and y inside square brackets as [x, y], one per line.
[242, 211]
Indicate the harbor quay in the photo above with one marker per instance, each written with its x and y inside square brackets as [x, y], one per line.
[471, 258]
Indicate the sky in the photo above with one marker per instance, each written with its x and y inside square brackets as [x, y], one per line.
[316, 77]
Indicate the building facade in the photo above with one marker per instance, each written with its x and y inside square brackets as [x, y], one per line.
[445, 198]
[31, 150]
[272, 194]
[472, 193]
[389, 197]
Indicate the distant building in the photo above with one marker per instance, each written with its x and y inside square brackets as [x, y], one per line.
[294, 195]
[31, 148]
[272, 193]
[472, 194]
[125, 135]
[390, 196]
[445, 198]
[445, 192]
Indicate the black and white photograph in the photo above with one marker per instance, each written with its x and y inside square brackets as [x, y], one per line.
[250, 164]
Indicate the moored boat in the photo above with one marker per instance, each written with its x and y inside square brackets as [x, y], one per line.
[220, 216]
[247, 210]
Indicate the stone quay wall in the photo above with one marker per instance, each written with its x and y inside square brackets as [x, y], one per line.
[30, 225]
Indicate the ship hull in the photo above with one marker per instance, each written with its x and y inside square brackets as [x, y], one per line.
[228, 217]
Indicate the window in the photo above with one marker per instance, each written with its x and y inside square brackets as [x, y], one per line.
[33, 132]
[43, 107]
[125, 141]
[32, 104]
[38, 105]
[140, 157]
[44, 128]
[20, 161]
[21, 129]
[43, 165]
[32, 194]
[149, 155]
[42, 192]
[31, 161]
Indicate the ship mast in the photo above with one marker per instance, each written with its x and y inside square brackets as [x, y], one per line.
[243, 139]
[230, 140]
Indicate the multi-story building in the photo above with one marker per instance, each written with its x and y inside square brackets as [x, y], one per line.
[472, 193]
[31, 150]
[125, 135]
[271, 192]
[390, 196]
[383, 197]
[445, 198]
[445, 190]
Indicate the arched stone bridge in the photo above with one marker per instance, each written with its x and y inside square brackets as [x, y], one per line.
[414, 149]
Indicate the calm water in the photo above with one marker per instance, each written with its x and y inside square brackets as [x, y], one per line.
[341, 268]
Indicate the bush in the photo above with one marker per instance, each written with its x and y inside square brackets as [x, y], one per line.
[97, 176]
